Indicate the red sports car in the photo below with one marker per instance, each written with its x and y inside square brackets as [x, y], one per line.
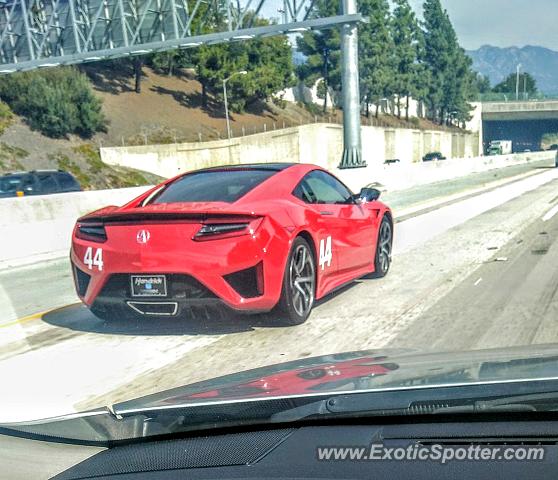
[252, 237]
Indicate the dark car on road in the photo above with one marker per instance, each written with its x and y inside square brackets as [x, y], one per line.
[37, 182]
[433, 157]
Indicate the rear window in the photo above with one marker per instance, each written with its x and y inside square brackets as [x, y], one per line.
[10, 184]
[213, 186]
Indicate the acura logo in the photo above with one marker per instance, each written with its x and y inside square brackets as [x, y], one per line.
[143, 236]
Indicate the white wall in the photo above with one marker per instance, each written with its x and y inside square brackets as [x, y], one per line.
[319, 143]
[35, 228]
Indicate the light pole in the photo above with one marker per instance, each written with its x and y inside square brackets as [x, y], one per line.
[243, 72]
[517, 83]
[352, 145]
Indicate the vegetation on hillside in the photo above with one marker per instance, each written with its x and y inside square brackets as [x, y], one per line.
[398, 57]
[266, 61]
[86, 165]
[10, 158]
[6, 117]
[57, 101]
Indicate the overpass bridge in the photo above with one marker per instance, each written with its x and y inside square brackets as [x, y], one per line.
[521, 110]
[524, 122]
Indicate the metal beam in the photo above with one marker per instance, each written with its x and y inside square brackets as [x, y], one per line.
[185, 42]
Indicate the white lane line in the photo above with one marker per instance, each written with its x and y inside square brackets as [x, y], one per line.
[412, 233]
[478, 281]
[548, 215]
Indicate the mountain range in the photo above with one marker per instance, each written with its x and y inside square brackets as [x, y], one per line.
[497, 63]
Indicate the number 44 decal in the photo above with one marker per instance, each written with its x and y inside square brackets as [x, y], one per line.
[325, 252]
[92, 260]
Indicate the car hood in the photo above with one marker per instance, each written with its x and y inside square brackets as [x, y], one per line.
[266, 395]
[361, 371]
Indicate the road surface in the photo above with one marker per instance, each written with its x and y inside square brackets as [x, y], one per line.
[474, 267]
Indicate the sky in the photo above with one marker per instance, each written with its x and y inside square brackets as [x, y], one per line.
[502, 23]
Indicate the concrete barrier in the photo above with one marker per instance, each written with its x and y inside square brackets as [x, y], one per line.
[320, 144]
[34, 229]
[400, 176]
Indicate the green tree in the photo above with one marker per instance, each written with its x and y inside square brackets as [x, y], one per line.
[464, 88]
[482, 83]
[509, 85]
[406, 35]
[168, 61]
[56, 101]
[451, 79]
[376, 53]
[438, 55]
[267, 61]
[322, 49]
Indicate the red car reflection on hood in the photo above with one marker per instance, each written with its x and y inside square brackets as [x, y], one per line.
[320, 378]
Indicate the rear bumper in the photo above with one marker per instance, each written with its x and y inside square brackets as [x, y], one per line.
[184, 291]
[204, 273]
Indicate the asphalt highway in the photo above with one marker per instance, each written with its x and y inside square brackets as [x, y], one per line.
[474, 267]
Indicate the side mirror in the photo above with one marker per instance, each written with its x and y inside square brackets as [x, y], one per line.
[369, 195]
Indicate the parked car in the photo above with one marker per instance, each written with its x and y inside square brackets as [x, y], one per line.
[433, 157]
[37, 182]
[554, 146]
[556, 159]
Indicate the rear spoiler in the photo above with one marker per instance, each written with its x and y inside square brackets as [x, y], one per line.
[165, 217]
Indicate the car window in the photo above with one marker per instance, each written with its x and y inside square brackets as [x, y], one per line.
[10, 183]
[67, 182]
[47, 183]
[304, 192]
[213, 186]
[326, 188]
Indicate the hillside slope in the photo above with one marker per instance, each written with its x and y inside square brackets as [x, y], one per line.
[169, 108]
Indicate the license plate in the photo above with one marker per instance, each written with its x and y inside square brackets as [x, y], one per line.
[149, 285]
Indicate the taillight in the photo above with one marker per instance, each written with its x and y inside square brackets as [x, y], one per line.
[94, 232]
[218, 230]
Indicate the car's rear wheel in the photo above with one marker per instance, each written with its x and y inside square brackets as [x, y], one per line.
[299, 285]
[382, 259]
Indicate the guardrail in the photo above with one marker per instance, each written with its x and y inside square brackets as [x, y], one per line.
[511, 97]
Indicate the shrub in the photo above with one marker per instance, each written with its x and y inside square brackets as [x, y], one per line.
[56, 102]
[6, 117]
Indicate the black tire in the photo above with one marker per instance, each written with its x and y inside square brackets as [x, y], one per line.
[299, 285]
[382, 257]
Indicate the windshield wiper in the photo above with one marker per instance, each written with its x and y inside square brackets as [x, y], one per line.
[420, 402]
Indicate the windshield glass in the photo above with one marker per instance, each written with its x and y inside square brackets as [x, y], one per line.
[208, 204]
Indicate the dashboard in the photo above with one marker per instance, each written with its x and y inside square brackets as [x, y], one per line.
[310, 452]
